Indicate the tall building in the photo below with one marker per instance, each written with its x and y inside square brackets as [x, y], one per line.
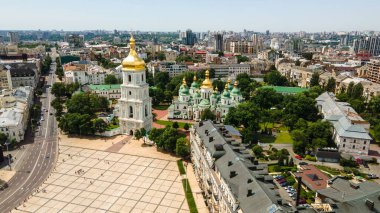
[370, 44]
[13, 37]
[135, 105]
[219, 42]
[373, 72]
[190, 37]
[255, 39]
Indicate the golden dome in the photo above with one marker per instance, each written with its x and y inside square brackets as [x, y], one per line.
[236, 84]
[133, 62]
[229, 81]
[184, 81]
[195, 77]
[206, 84]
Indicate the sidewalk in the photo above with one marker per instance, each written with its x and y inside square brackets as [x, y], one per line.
[197, 192]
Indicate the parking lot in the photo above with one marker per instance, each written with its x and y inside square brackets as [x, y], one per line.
[87, 180]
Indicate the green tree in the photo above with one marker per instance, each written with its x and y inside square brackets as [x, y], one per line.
[110, 79]
[99, 125]
[143, 132]
[300, 139]
[161, 79]
[358, 105]
[3, 138]
[138, 134]
[275, 78]
[58, 89]
[307, 56]
[266, 98]
[57, 104]
[314, 81]
[297, 63]
[182, 147]
[350, 89]
[357, 91]
[155, 133]
[207, 114]
[175, 125]
[245, 114]
[186, 126]
[257, 150]
[376, 131]
[374, 105]
[86, 103]
[331, 84]
[161, 56]
[241, 59]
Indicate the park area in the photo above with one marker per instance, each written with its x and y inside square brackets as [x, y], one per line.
[278, 134]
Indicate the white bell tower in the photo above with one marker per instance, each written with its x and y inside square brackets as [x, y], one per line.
[135, 105]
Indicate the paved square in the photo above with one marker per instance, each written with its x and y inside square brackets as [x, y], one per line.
[88, 180]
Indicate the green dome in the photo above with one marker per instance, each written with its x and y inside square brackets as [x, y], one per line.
[226, 94]
[197, 94]
[204, 102]
[230, 87]
[235, 91]
[183, 90]
[195, 85]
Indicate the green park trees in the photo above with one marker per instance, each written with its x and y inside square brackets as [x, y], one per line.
[207, 115]
[314, 81]
[275, 78]
[111, 79]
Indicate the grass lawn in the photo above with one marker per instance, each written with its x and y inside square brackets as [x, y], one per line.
[165, 123]
[283, 138]
[161, 107]
[276, 125]
[329, 170]
[187, 188]
[180, 167]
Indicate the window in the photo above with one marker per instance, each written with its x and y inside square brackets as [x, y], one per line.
[344, 140]
[129, 78]
[354, 141]
[344, 145]
[353, 146]
[363, 147]
[130, 93]
[365, 142]
[142, 77]
[130, 111]
[146, 111]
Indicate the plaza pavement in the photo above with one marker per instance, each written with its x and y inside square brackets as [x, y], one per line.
[90, 180]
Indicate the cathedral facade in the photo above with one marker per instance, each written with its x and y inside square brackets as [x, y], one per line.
[135, 105]
[191, 102]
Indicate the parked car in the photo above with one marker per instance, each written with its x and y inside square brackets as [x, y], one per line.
[284, 184]
[372, 176]
[298, 157]
[303, 163]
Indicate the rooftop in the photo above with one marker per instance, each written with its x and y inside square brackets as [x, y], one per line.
[312, 177]
[287, 90]
[104, 86]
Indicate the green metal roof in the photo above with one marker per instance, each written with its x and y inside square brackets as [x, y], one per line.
[104, 86]
[288, 90]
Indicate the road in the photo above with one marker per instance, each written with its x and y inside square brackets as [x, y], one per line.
[39, 159]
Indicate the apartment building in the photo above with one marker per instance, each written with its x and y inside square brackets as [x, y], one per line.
[231, 179]
[14, 112]
[109, 91]
[373, 70]
[230, 70]
[350, 130]
[5, 77]
[172, 68]
[84, 72]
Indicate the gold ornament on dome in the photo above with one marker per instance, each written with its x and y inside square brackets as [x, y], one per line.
[133, 62]
[206, 84]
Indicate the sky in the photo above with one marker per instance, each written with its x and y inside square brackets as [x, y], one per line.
[198, 15]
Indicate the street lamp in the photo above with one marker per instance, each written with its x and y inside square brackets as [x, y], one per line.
[9, 156]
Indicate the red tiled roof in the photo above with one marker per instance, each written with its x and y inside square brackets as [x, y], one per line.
[312, 177]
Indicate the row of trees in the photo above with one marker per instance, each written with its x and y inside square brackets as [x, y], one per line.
[45, 66]
[170, 140]
[59, 72]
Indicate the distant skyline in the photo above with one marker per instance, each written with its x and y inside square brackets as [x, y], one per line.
[198, 15]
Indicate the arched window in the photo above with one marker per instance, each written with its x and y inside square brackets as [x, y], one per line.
[146, 111]
[129, 78]
[130, 93]
[130, 111]
[142, 77]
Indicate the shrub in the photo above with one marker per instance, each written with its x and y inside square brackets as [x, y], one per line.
[311, 158]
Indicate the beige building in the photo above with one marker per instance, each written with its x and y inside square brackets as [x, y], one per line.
[5, 77]
[373, 73]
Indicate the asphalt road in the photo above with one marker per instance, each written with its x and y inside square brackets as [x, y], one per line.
[39, 159]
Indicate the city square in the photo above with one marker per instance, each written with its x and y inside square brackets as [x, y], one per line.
[87, 180]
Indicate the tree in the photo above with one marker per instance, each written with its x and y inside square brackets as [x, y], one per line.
[376, 131]
[374, 106]
[155, 133]
[331, 84]
[266, 98]
[167, 140]
[257, 150]
[245, 114]
[138, 135]
[3, 138]
[358, 105]
[300, 139]
[99, 125]
[302, 107]
[186, 126]
[207, 115]
[161, 79]
[161, 56]
[297, 63]
[110, 79]
[58, 89]
[86, 103]
[275, 78]
[350, 89]
[143, 132]
[241, 59]
[357, 91]
[314, 81]
[219, 84]
[182, 147]
[307, 56]
[57, 104]
[175, 125]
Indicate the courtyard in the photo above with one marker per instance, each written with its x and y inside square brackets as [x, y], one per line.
[90, 180]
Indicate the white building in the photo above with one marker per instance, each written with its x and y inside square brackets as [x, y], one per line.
[14, 112]
[23, 74]
[350, 130]
[135, 105]
[230, 70]
[84, 73]
[109, 91]
[172, 68]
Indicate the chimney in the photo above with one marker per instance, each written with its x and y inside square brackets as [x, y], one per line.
[210, 139]
[250, 193]
[249, 181]
[229, 163]
[370, 204]
[232, 174]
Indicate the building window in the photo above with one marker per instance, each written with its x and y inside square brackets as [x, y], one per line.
[353, 146]
[344, 145]
[129, 78]
[354, 141]
[344, 140]
[146, 111]
[130, 93]
[363, 147]
[130, 111]
[365, 142]
[142, 77]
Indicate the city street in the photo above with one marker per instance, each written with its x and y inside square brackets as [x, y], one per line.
[39, 156]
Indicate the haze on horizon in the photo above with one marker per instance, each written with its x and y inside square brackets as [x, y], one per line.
[198, 15]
